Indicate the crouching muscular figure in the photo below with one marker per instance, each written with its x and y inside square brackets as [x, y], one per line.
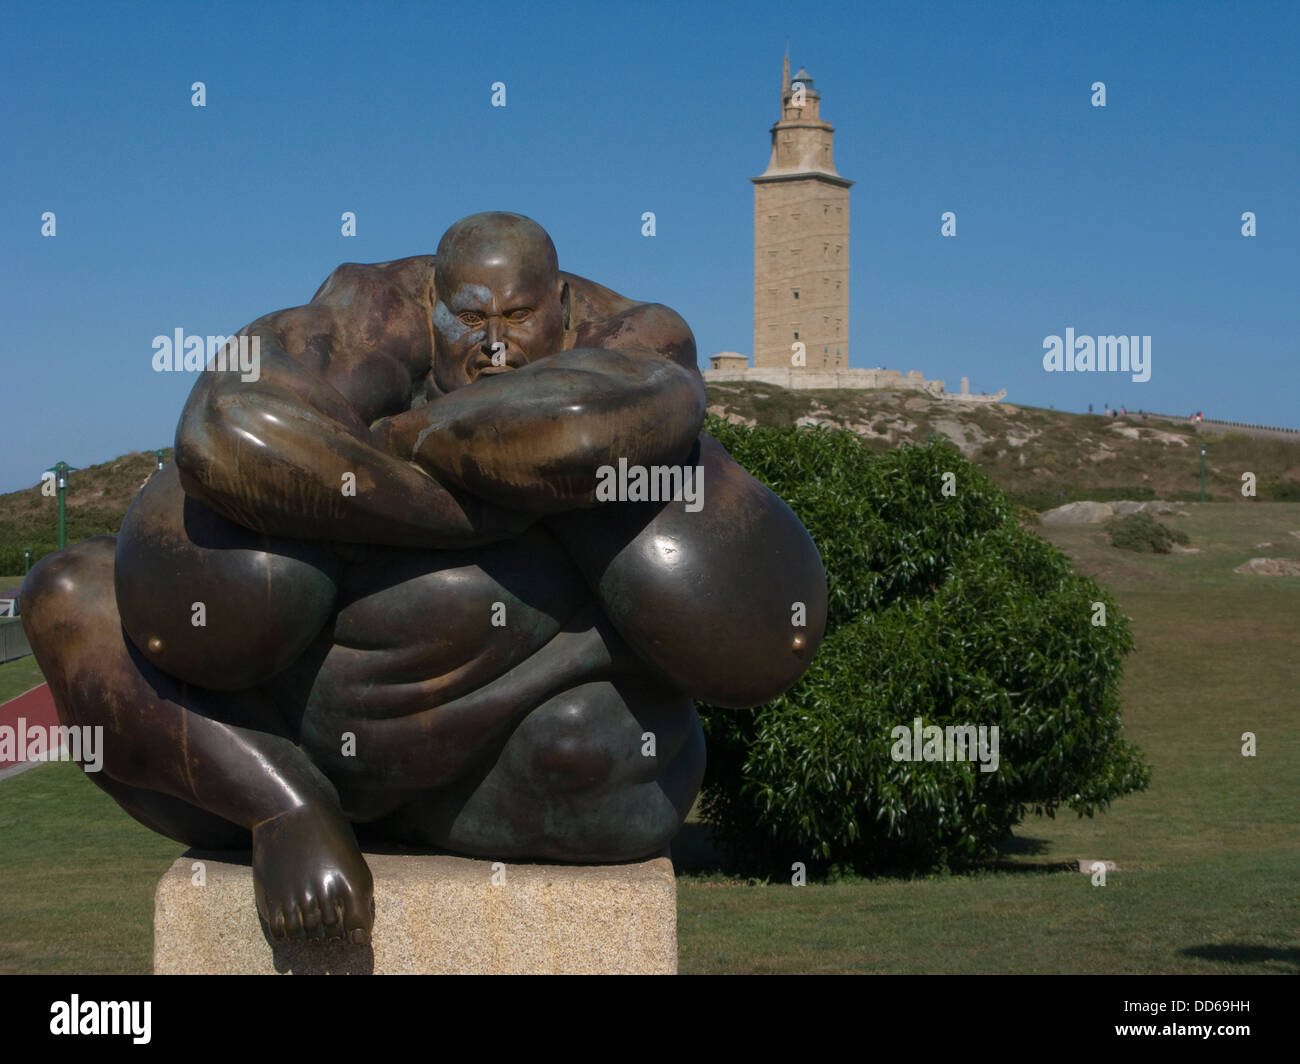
[379, 594]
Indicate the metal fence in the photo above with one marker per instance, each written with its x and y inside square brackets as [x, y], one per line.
[13, 640]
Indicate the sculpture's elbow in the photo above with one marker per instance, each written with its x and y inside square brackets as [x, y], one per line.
[197, 444]
[211, 437]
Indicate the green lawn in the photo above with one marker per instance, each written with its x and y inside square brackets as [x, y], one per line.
[18, 676]
[77, 876]
[1208, 858]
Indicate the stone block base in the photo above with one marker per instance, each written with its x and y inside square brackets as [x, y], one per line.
[433, 915]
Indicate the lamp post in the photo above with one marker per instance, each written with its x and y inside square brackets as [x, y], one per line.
[27, 560]
[160, 456]
[1202, 472]
[61, 471]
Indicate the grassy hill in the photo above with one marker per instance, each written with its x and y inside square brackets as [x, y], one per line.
[97, 498]
[1040, 457]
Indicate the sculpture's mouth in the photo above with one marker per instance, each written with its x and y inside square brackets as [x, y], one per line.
[492, 371]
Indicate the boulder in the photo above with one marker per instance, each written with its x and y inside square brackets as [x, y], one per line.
[1079, 513]
[1270, 567]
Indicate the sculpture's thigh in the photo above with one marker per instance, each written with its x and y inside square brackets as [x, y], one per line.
[605, 771]
[213, 603]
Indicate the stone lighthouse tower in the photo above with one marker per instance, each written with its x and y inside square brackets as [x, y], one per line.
[801, 238]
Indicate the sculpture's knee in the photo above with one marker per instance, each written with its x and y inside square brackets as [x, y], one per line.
[571, 741]
[213, 603]
[71, 621]
[722, 591]
[66, 597]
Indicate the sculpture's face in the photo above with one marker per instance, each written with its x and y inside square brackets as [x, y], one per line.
[494, 316]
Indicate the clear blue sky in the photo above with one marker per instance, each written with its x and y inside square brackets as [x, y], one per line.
[1117, 220]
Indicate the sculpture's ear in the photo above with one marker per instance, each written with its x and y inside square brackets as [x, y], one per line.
[564, 302]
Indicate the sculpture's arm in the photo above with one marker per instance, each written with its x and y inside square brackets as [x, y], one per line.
[290, 453]
[535, 438]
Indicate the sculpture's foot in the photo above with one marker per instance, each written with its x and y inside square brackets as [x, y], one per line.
[310, 879]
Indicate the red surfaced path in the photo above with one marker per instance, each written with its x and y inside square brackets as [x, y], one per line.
[36, 705]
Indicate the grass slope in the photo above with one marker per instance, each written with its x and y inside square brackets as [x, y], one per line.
[1039, 457]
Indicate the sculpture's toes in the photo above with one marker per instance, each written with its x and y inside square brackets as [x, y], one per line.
[310, 879]
[346, 910]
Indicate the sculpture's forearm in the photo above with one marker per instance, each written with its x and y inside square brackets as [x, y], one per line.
[258, 456]
[534, 438]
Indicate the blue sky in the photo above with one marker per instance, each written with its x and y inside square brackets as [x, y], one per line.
[1125, 219]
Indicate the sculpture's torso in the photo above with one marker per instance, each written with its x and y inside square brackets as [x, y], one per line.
[417, 630]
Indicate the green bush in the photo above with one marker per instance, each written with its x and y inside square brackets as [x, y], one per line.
[1143, 533]
[1027, 515]
[1279, 490]
[941, 608]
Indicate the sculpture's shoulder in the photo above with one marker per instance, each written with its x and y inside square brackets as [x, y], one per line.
[592, 302]
[603, 318]
[407, 280]
[366, 316]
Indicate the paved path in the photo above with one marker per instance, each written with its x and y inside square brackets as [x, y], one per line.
[37, 708]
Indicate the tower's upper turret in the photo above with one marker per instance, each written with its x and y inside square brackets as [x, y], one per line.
[801, 140]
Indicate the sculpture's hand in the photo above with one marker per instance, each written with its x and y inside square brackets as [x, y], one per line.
[535, 437]
[491, 522]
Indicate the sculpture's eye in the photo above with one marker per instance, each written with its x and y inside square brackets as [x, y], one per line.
[520, 315]
[470, 318]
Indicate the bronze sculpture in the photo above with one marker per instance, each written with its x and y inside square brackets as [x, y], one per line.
[379, 594]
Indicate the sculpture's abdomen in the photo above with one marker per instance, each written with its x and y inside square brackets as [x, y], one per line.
[417, 629]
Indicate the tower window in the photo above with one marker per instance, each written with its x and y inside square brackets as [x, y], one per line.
[796, 293]
[796, 336]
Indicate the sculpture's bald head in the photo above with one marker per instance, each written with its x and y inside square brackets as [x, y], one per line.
[500, 300]
[497, 238]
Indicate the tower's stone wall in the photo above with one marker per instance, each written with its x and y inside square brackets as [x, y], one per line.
[801, 273]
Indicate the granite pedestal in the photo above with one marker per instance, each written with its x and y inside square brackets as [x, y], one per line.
[433, 915]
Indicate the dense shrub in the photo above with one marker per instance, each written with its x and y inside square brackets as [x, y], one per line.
[942, 608]
[1143, 533]
[1027, 515]
[1279, 490]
